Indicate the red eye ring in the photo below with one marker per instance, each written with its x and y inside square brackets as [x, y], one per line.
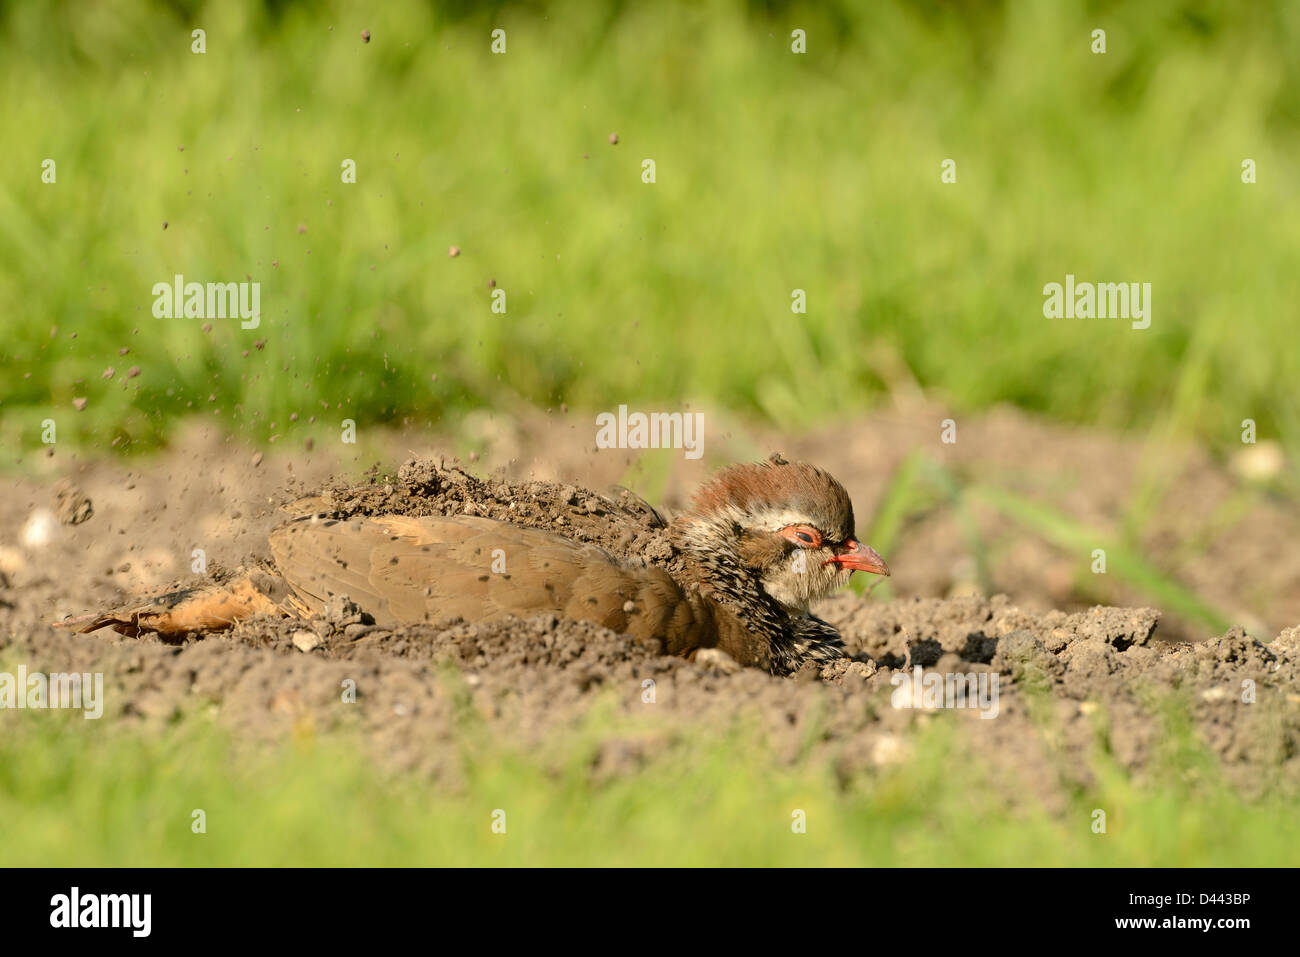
[805, 536]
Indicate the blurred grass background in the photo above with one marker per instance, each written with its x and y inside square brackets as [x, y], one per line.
[96, 794]
[775, 172]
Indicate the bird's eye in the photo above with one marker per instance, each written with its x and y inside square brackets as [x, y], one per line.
[803, 535]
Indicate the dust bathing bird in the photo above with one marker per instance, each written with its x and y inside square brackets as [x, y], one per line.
[759, 542]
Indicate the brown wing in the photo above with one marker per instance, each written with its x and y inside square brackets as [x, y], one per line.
[407, 569]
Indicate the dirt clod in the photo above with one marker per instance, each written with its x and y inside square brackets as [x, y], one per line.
[71, 504]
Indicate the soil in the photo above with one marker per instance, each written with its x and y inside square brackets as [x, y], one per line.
[1073, 680]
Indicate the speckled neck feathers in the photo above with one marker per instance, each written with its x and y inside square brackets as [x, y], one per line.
[762, 497]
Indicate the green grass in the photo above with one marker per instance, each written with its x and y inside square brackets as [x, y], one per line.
[921, 484]
[776, 171]
[92, 794]
[1121, 560]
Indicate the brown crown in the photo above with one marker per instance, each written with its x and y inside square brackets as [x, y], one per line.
[778, 484]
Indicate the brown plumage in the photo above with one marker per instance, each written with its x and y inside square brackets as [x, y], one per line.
[760, 542]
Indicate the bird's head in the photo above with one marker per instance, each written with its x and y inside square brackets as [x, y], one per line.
[787, 525]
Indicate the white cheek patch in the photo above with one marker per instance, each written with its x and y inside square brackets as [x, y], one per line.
[794, 589]
[789, 598]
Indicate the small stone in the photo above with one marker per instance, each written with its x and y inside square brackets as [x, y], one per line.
[453, 252]
[717, 659]
[306, 640]
[365, 36]
[1262, 462]
[862, 670]
[887, 749]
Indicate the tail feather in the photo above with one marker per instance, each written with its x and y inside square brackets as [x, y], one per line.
[211, 607]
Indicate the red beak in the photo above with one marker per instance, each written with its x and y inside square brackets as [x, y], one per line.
[860, 558]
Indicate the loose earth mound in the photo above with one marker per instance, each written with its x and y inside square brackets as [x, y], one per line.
[1067, 684]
